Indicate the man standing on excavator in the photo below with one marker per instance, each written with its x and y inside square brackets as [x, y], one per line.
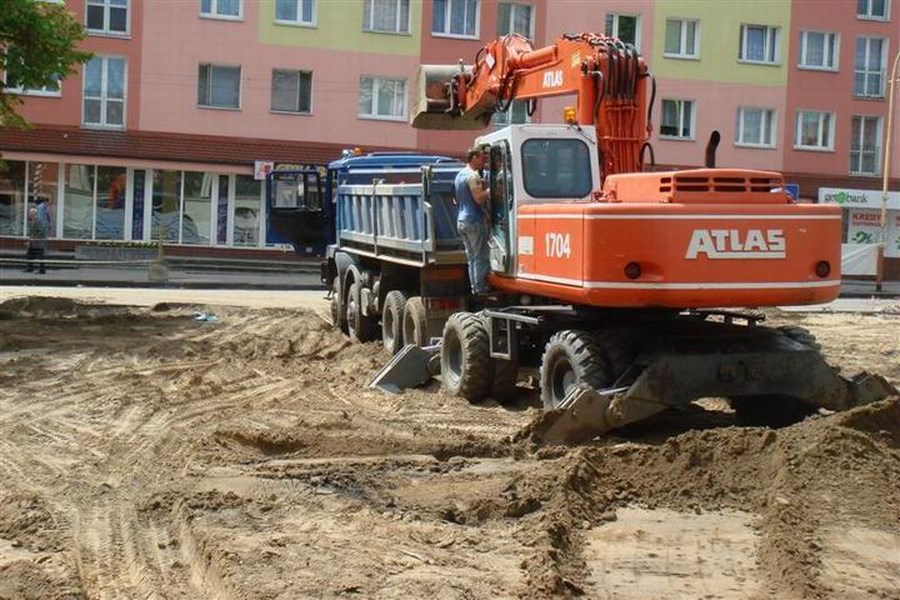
[472, 222]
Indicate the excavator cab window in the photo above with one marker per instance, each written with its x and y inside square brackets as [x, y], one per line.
[556, 168]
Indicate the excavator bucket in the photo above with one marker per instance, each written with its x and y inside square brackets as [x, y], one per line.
[432, 107]
[411, 367]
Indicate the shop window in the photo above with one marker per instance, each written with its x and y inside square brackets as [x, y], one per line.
[164, 222]
[456, 18]
[78, 211]
[247, 210]
[109, 211]
[222, 211]
[197, 207]
[12, 197]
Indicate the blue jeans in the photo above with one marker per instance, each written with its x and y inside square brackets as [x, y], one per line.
[475, 239]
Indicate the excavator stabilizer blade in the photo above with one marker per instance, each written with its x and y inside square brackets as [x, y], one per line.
[411, 367]
[432, 106]
[866, 388]
[580, 418]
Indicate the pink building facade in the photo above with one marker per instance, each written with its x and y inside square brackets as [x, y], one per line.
[158, 136]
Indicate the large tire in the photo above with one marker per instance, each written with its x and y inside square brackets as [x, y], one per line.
[617, 351]
[466, 366]
[338, 310]
[392, 321]
[415, 322]
[773, 410]
[361, 328]
[571, 357]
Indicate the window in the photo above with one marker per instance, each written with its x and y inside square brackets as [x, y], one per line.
[12, 79]
[109, 17]
[295, 12]
[868, 74]
[291, 91]
[865, 153]
[456, 18]
[759, 43]
[382, 98]
[556, 168]
[677, 119]
[815, 130]
[221, 9]
[219, 87]
[872, 9]
[516, 115]
[514, 18]
[104, 92]
[755, 127]
[625, 27]
[681, 38]
[386, 16]
[818, 50]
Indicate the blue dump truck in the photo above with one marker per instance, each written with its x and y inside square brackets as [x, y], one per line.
[386, 223]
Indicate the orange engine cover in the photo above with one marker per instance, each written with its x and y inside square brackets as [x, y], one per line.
[690, 255]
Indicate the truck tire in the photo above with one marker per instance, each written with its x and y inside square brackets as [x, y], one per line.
[571, 357]
[361, 328]
[466, 367]
[338, 314]
[415, 322]
[392, 321]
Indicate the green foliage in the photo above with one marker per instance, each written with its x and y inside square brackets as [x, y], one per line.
[39, 39]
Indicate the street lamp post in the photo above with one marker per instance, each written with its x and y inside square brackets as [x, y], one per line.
[886, 168]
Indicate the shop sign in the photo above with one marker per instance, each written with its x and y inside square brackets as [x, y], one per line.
[858, 198]
[261, 168]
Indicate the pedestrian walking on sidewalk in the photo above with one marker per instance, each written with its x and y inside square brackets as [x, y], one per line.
[38, 232]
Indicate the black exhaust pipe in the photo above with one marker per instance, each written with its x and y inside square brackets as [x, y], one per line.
[714, 139]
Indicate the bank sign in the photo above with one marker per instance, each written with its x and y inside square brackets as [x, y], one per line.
[863, 216]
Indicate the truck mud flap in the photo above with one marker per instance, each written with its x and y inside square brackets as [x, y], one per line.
[413, 366]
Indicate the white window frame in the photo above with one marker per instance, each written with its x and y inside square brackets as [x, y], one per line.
[822, 129]
[739, 129]
[42, 91]
[680, 103]
[882, 72]
[369, 15]
[682, 49]
[868, 16]
[103, 98]
[376, 81]
[513, 6]
[446, 33]
[832, 41]
[299, 22]
[879, 133]
[772, 46]
[637, 26]
[281, 111]
[209, 82]
[107, 6]
[213, 12]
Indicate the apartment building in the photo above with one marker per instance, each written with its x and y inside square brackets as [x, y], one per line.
[159, 134]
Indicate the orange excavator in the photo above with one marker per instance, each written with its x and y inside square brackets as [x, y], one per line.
[628, 289]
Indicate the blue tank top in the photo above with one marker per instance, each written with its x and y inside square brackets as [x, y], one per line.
[469, 211]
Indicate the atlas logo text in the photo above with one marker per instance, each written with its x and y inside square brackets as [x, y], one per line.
[736, 244]
[553, 79]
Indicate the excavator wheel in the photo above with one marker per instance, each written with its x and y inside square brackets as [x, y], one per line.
[617, 350]
[571, 357]
[466, 366]
[415, 322]
[773, 410]
[338, 316]
[361, 328]
[392, 321]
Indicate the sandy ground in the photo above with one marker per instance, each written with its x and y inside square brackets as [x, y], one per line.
[146, 454]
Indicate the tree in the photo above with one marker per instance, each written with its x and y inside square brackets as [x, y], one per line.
[37, 49]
